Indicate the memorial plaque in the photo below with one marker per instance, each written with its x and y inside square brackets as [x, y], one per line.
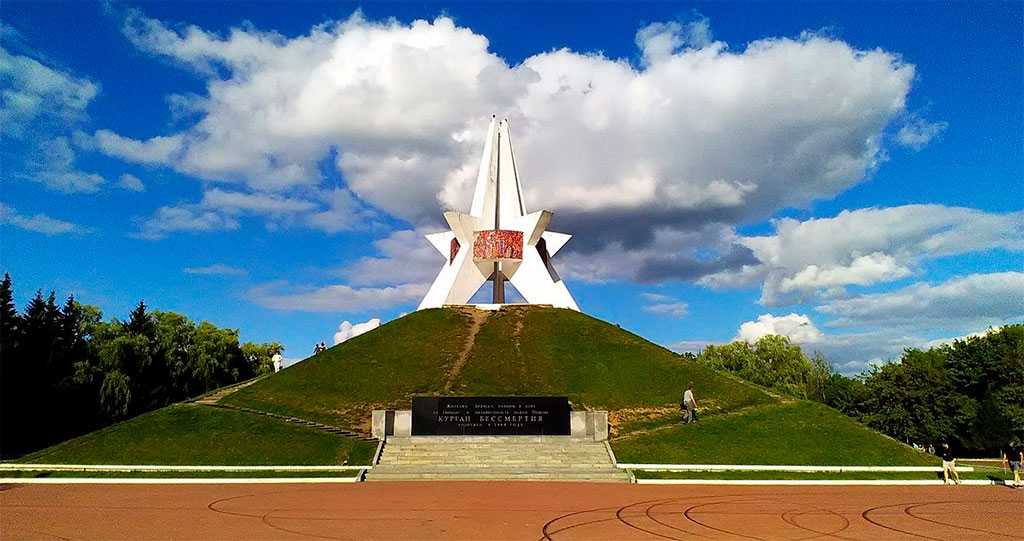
[490, 416]
[498, 244]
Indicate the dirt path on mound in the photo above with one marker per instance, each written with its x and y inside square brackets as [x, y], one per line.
[476, 321]
[214, 397]
[676, 422]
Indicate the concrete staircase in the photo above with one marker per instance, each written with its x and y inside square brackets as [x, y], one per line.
[495, 457]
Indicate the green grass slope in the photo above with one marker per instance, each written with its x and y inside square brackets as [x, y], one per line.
[203, 435]
[379, 369]
[597, 364]
[516, 351]
[800, 432]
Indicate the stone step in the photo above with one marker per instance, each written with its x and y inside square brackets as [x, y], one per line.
[617, 476]
[485, 439]
[546, 452]
[506, 448]
[473, 460]
[488, 460]
[437, 451]
[492, 467]
[495, 457]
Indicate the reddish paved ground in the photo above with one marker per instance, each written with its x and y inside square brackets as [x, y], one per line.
[508, 510]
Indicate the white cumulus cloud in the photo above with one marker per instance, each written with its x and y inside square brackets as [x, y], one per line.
[699, 136]
[334, 298]
[917, 132]
[351, 330]
[39, 107]
[131, 183]
[216, 269]
[797, 327]
[36, 96]
[665, 305]
[864, 247]
[975, 300]
[39, 223]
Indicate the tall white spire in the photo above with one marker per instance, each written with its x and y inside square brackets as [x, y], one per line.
[497, 183]
[498, 240]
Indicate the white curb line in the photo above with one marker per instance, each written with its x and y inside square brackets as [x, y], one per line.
[182, 481]
[805, 482]
[156, 468]
[785, 468]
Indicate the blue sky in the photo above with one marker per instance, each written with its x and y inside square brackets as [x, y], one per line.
[849, 176]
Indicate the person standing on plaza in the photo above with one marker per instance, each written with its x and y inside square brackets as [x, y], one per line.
[1013, 456]
[690, 404]
[949, 465]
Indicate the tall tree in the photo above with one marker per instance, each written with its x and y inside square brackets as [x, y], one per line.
[914, 400]
[11, 367]
[140, 322]
[64, 371]
[9, 319]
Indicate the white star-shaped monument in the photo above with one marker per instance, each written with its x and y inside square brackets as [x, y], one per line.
[498, 240]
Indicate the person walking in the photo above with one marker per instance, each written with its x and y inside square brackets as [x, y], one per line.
[276, 362]
[949, 465]
[1013, 456]
[690, 405]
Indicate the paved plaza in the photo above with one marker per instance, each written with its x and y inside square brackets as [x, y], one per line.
[507, 510]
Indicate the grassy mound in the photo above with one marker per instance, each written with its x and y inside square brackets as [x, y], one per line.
[516, 351]
[201, 435]
[799, 432]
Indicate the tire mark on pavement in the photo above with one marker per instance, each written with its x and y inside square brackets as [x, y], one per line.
[907, 511]
[546, 535]
[789, 518]
[688, 510]
[663, 523]
[621, 510]
[868, 511]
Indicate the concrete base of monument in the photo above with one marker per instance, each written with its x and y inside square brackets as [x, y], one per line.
[496, 458]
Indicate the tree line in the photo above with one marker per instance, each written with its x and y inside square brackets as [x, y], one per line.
[64, 371]
[969, 392]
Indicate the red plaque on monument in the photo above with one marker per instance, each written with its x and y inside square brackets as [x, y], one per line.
[498, 244]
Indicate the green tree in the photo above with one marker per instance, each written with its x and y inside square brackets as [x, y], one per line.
[9, 319]
[817, 378]
[175, 345]
[989, 369]
[915, 400]
[12, 369]
[140, 323]
[259, 357]
[774, 362]
[845, 394]
[65, 371]
[115, 395]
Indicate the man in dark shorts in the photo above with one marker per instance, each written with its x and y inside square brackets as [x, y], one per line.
[1013, 456]
[949, 465]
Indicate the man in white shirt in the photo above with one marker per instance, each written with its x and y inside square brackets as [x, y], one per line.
[276, 359]
[690, 405]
